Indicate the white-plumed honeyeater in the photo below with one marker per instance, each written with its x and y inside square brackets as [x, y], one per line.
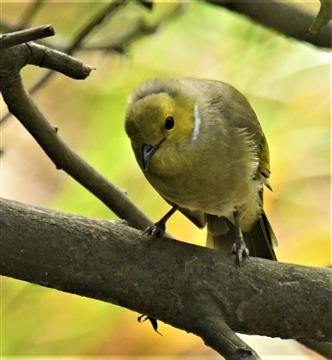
[200, 145]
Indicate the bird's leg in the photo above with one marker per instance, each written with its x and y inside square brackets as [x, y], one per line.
[239, 248]
[158, 229]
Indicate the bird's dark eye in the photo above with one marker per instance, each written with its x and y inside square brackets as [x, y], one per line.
[169, 123]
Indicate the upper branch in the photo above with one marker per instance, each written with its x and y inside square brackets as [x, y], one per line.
[135, 31]
[190, 287]
[82, 34]
[57, 61]
[21, 105]
[282, 16]
[13, 59]
[23, 36]
[93, 23]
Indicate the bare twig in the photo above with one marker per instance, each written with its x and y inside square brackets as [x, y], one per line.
[14, 58]
[57, 61]
[95, 21]
[121, 43]
[81, 36]
[20, 104]
[133, 33]
[282, 16]
[34, 54]
[109, 9]
[190, 287]
[23, 36]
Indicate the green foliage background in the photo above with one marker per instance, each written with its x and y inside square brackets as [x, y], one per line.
[288, 85]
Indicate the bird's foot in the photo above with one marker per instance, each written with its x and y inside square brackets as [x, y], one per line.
[153, 321]
[240, 251]
[157, 230]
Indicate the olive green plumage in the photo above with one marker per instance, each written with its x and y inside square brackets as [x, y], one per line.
[200, 145]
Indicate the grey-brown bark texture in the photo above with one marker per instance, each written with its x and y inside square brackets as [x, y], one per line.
[187, 286]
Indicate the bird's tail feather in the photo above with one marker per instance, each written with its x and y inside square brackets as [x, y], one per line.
[259, 240]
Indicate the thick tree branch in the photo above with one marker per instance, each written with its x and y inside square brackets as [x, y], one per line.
[190, 287]
[282, 16]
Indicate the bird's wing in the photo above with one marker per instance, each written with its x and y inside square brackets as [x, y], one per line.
[244, 118]
[235, 109]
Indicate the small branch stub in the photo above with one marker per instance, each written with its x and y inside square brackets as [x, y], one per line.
[23, 36]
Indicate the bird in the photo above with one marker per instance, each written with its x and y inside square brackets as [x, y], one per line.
[200, 145]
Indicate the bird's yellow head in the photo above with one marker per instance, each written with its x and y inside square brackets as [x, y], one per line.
[158, 117]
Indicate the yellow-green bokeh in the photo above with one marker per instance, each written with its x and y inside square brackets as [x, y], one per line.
[288, 85]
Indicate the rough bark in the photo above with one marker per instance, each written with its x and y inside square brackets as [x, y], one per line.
[23, 36]
[190, 287]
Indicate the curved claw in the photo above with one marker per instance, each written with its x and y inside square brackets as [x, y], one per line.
[241, 252]
[153, 321]
[157, 230]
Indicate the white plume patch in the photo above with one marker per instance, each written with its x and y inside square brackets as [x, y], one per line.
[247, 149]
[197, 125]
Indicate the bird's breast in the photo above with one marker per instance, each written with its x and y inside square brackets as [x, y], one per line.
[196, 181]
[216, 181]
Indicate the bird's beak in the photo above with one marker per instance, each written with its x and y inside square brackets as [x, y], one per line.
[148, 151]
